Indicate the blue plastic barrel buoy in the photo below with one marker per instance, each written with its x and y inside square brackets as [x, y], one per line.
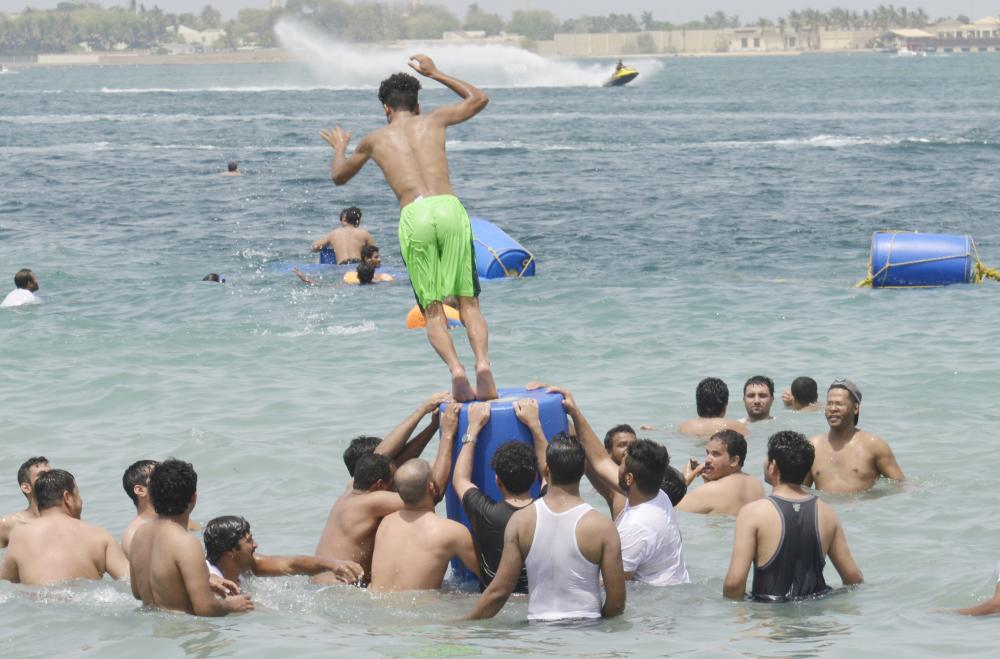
[501, 428]
[327, 256]
[508, 257]
[921, 259]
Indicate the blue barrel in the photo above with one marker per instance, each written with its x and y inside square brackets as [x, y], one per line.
[921, 259]
[502, 427]
[327, 256]
[497, 254]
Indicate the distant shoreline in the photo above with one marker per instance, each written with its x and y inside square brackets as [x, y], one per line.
[280, 55]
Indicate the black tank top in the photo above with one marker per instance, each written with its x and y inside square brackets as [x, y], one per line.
[796, 569]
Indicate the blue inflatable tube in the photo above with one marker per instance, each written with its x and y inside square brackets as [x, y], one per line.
[502, 427]
[921, 259]
[497, 254]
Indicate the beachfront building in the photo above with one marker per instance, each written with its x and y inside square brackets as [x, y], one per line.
[909, 39]
[201, 39]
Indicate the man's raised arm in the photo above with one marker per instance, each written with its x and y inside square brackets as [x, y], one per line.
[345, 168]
[393, 443]
[461, 480]
[603, 465]
[473, 98]
[526, 411]
[441, 468]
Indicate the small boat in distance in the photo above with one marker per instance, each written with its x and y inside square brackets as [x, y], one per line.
[622, 75]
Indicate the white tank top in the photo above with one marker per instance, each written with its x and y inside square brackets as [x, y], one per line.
[562, 584]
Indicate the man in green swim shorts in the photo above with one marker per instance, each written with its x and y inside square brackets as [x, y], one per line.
[435, 236]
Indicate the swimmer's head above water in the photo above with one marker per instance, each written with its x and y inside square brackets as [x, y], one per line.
[370, 254]
[232, 166]
[214, 276]
[351, 215]
[366, 273]
[26, 279]
[229, 533]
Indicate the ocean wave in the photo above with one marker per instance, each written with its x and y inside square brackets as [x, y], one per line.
[56, 119]
[843, 141]
[490, 145]
[332, 330]
[250, 89]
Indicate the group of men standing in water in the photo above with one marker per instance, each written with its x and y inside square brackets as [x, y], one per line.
[383, 530]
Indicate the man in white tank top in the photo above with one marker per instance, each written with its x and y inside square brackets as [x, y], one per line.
[566, 546]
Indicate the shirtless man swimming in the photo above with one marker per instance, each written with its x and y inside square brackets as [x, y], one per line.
[168, 569]
[349, 534]
[58, 546]
[726, 488]
[435, 235]
[27, 474]
[758, 396]
[711, 399]
[413, 545]
[135, 482]
[849, 459]
[231, 553]
[348, 239]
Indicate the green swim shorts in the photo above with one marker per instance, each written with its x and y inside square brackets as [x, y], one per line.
[435, 238]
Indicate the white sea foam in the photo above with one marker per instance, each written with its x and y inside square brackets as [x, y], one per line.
[489, 65]
[842, 141]
[58, 119]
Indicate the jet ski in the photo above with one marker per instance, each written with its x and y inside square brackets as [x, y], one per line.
[622, 76]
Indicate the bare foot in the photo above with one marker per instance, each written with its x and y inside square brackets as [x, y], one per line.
[485, 386]
[461, 389]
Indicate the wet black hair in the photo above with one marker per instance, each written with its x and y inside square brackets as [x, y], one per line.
[711, 397]
[368, 251]
[793, 454]
[214, 276]
[399, 92]
[516, 466]
[804, 390]
[370, 469]
[351, 215]
[137, 474]
[23, 277]
[359, 446]
[673, 485]
[366, 273]
[223, 534]
[50, 487]
[735, 443]
[566, 460]
[232, 165]
[609, 435]
[760, 379]
[171, 486]
[22, 471]
[646, 460]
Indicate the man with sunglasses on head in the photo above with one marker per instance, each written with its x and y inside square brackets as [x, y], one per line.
[849, 459]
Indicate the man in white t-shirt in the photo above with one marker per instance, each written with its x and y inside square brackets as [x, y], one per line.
[26, 284]
[652, 547]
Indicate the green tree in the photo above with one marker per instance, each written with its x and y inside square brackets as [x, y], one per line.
[210, 18]
[477, 19]
[536, 25]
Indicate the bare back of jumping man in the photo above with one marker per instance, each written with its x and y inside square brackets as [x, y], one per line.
[435, 235]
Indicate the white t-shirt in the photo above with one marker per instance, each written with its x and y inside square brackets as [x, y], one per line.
[19, 296]
[651, 542]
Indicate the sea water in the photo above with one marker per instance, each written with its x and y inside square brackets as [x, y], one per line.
[708, 220]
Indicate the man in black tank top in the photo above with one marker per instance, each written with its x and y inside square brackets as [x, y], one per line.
[787, 536]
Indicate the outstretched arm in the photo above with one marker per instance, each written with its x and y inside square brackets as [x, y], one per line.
[395, 441]
[603, 465]
[526, 411]
[989, 607]
[441, 468]
[473, 99]
[840, 556]
[305, 280]
[345, 168]
[461, 480]
[280, 566]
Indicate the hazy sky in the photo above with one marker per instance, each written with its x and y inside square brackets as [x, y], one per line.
[672, 10]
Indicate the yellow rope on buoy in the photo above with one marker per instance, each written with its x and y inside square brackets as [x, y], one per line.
[980, 272]
[513, 271]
